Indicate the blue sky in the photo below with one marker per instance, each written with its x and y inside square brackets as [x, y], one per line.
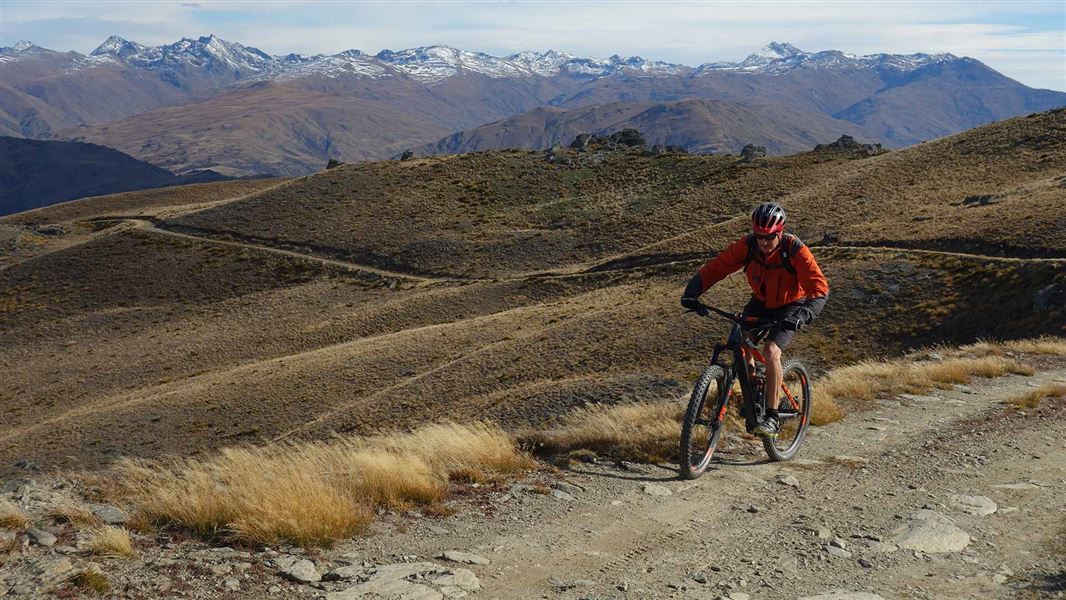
[1024, 40]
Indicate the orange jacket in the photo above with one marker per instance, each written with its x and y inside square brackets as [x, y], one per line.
[774, 287]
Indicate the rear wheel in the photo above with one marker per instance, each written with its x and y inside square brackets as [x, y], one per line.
[794, 412]
[703, 424]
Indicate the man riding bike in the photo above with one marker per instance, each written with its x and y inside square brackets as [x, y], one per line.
[787, 286]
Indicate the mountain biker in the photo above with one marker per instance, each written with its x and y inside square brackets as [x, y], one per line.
[787, 286]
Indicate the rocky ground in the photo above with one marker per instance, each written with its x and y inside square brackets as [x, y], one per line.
[949, 495]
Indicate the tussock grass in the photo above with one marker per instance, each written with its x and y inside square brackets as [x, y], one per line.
[111, 542]
[650, 432]
[10, 516]
[1048, 345]
[867, 380]
[75, 515]
[1033, 398]
[90, 581]
[644, 432]
[313, 494]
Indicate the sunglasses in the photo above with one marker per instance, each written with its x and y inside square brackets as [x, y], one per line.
[768, 236]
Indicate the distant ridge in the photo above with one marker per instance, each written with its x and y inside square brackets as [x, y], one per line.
[41, 173]
[210, 103]
[698, 125]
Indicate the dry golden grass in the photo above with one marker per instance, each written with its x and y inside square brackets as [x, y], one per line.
[313, 494]
[10, 516]
[112, 542]
[1049, 345]
[867, 380]
[1033, 398]
[74, 514]
[90, 581]
[637, 432]
[825, 410]
[650, 432]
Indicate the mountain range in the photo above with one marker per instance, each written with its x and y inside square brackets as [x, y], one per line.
[209, 103]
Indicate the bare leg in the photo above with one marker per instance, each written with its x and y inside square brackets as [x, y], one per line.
[772, 354]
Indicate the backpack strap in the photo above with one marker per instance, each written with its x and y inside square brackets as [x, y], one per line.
[790, 246]
[751, 252]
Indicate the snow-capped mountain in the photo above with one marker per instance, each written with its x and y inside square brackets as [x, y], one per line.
[778, 58]
[210, 52]
[354, 105]
[434, 64]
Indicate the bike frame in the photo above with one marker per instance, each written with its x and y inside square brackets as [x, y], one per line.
[743, 349]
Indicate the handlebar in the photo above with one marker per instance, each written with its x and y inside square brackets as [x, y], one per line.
[751, 322]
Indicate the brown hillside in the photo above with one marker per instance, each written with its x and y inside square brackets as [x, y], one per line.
[492, 286]
[697, 125]
[265, 129]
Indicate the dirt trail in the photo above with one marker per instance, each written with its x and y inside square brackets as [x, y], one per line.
[739, 531]
[149, 226]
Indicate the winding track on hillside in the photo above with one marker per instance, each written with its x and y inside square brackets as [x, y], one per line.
[617, 263]
[147, 225]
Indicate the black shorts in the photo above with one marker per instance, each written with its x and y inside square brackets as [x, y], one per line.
[781, 337]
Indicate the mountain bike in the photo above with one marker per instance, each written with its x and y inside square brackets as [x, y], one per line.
[705, 418]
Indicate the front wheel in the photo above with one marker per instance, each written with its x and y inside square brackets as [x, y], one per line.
[703, 422]
[794, 411]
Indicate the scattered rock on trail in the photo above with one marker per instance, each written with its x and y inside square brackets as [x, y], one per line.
[974, 505]
[837, 551]
[1017, 486]
[654, 489]
[842, 595]
[302, 571]
[392, 581]
[932, 533]
[785, 479]
[464, 557]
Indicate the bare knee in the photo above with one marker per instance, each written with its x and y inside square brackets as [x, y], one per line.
[772, 353]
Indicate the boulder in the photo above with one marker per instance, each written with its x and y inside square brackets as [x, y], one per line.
[109, 514]
[42, 537]
[302, 571]
[333, 163]
[627, 137]
[581, 142]
[407, 154]
[1050, 297]
[849, 144]
[750, 152]
[932, 533]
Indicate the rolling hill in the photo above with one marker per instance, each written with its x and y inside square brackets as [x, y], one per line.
[39, 173]
[205, 316]
[698, 125]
